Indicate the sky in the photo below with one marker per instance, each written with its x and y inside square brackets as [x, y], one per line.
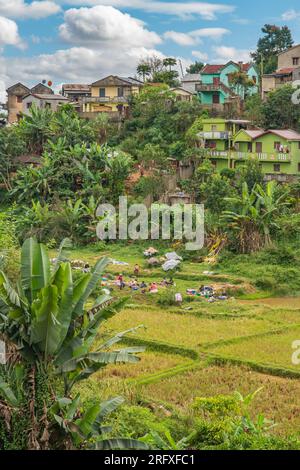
[81, 41]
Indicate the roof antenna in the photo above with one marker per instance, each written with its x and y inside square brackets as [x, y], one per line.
[181, 68]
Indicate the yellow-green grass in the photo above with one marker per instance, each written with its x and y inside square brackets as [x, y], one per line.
[282, 315]
[274, 349]
[183, 329]
[291, 303]
[112, 379]
[278, 401]
[151, 362]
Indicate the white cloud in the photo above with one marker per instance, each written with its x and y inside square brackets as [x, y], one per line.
[67, 65]
[224, 54]
[182, 39]
[104, 41]
[290, 15]
[107, 27]
[200, 55]
[9, 34]
[194, 37]
[21, 9]
[205, 10]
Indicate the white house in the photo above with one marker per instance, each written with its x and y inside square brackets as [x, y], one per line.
[50, 101]
[190, 80]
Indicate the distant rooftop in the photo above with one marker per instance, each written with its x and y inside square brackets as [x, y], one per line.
[288, 134]
[76, 87]
[211, 69]
[49, 97]
[191, 77]
[134, 81]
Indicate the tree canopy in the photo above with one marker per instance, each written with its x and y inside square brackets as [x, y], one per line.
[275, 39]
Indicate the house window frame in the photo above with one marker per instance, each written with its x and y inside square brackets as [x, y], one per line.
[257, 144]
[120, 92]
[101, 90]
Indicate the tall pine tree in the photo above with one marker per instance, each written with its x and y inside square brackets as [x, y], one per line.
[276, 39]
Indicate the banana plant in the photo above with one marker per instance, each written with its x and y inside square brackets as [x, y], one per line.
[49, 319]
[91, 426]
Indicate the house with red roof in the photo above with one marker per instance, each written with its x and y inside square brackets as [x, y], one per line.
[216, 88]
[229, 143]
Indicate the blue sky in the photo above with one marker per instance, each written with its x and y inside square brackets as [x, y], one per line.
[83, 40]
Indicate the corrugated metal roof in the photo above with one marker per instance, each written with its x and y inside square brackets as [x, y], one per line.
[191, 77]
[288, 134]
[76, 86]
[211, 69]
[50, 97]
[134, 81]
[254, 134]
[285, 70]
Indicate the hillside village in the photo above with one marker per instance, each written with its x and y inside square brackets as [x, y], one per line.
[149, 242]
[228, 142]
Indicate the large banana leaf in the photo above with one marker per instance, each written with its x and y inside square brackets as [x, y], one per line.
[62, 253]
[46, 329]
[7, 393]
[64, 283]
[119, 336]
[104, 314]
[92, 284]
[85, 424]
[101, 358]
[108, 407]
[35, 268]
[81, 344]
[8, 293]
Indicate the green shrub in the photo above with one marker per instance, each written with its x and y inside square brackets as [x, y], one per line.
[220, 405]
[8, 244]
[135, 422]
[167, 298]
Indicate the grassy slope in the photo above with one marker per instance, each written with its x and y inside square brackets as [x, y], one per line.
[165, 374]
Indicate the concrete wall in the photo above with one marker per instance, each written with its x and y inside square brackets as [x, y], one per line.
[39, 103]
[190, 86]
[14, 108]
[286, 58]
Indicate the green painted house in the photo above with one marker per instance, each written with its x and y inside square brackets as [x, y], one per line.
[229, 143]
[215, 87]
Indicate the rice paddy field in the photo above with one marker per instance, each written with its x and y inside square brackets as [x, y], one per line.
[203, 349]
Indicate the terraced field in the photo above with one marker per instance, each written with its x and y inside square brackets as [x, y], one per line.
[204, 349]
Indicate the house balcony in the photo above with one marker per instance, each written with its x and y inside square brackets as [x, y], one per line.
[106, 99]
[208, 88]
[215, 135]
[263, 157]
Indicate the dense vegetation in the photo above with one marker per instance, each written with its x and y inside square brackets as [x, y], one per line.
[55, 391]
